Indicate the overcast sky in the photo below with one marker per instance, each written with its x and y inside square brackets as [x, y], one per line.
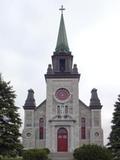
[28, 35]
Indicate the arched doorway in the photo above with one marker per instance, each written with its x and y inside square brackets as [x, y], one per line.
[62, 140]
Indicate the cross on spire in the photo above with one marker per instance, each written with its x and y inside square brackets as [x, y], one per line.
[62, 9]
[62, 43]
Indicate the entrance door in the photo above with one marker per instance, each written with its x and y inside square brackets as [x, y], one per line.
[62, 140]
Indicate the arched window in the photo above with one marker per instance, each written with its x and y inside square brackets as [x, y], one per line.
[83, 128]
[62, 65]
[66, 109]
[41, 128]
[58, 110]
[62, 109]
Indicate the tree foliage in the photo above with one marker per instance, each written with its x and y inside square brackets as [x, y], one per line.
[10, 121]
[92, 152]
[114, 138]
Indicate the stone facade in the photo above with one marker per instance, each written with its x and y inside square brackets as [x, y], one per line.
[62, 122]
[71, 121]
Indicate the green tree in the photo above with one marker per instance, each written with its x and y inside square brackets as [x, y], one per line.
[114, 138]
[10, 121]
[92, 152]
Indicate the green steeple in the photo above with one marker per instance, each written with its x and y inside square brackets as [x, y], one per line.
[62, 43]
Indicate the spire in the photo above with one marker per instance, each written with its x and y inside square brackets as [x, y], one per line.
[30, 101]
[62, 43]
[94, 101]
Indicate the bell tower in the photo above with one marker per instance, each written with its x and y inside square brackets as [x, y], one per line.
[62, 103]
[62, 59]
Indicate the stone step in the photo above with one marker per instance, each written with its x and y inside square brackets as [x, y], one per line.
[61, 156]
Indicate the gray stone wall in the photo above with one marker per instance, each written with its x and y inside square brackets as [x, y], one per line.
[52, 122]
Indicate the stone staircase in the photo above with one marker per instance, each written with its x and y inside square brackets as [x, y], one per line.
[61, 156]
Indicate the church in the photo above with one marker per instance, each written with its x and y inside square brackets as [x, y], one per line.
[62, 122]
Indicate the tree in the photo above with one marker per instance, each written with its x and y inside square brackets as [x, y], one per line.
[92, 152]
[10, 121]
[114, 138]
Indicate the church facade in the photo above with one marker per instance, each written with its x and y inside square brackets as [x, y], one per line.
[62, 122]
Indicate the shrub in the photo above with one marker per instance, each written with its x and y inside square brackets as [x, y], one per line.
[92, 152]
[35, 154]
[11, 158]
[47, 150]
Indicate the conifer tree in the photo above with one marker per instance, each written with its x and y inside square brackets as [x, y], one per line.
[10, 121]
[114, 138]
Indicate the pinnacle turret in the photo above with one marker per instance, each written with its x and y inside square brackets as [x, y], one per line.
[30, 101]
[94, 101]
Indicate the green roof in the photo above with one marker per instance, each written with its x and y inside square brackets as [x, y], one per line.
[62, 43]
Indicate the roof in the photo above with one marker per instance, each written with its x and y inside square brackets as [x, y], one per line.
[62, 43]
[40, 105]
[84, 104]
[30, 101]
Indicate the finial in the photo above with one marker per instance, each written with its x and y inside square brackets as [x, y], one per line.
[62, 9]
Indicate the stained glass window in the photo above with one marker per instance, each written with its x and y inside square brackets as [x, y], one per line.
[83, 128]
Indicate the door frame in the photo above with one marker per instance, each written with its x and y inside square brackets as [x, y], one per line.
[64, 132]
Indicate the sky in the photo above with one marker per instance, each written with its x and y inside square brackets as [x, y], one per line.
[28, 36]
